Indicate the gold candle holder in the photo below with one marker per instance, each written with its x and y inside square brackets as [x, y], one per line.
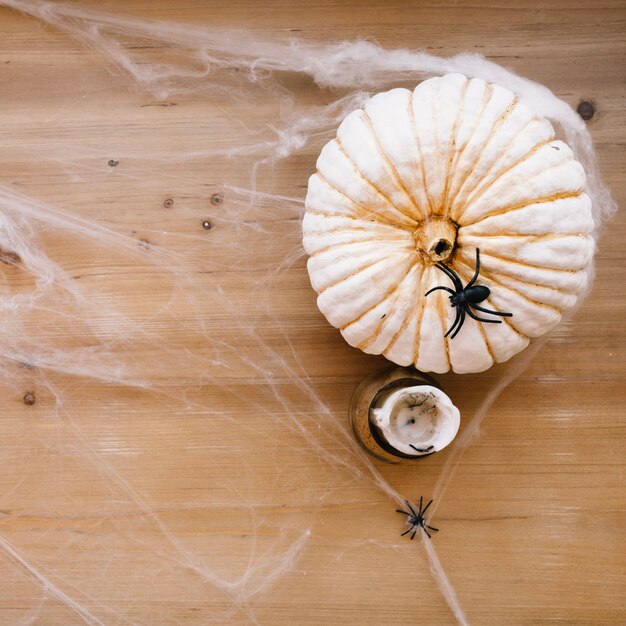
[401, 415]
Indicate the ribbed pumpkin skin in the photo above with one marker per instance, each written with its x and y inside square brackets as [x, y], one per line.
[457, 156]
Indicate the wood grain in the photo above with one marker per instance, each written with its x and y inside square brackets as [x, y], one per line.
[129, 501]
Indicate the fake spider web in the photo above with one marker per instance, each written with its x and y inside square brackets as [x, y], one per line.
[182, 408]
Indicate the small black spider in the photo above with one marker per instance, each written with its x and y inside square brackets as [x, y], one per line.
[466, 297]
[416, 520]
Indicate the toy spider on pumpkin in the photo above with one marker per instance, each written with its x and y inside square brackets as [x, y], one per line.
[465, 297]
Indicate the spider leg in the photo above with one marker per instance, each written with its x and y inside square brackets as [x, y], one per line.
[426, 507]
[456, 321]
[420, 511]
[441, 287]
[406, 532]
[462, 309]
[471, 282]
[480, 319]
[432, 528]
[426, 532]
[411, 508]
[399, 511]
[413, 535]
[458, 285]
[479, 308]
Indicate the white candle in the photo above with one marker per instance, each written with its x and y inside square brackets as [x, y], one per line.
[416, 420]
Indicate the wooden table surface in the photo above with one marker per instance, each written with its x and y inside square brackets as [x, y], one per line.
[194, 496]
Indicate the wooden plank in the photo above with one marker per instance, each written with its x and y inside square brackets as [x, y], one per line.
[137, 505]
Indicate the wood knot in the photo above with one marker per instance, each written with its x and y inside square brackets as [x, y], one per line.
[207, 225]
[217, 198]
[113, 163]
[8, 257]
[29, 398]
[586, 109]
[168, 203]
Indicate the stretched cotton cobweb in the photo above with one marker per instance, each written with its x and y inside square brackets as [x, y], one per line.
[222, 364]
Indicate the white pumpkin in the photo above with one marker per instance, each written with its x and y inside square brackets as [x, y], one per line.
[414, 178]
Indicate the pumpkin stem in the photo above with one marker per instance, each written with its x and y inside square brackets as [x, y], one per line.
[435, 238]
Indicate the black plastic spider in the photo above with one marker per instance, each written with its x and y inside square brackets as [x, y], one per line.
[466, 297]
[416, 520]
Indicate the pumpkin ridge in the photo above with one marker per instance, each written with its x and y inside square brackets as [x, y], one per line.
[529, 236]
[380, 324]
[522, 295]
[420, 317]
[357, 228]
[403, 326]
[358, 204]
[363, 219]
[528, 178]
[487, 344]
[526, 264]
[442, 307]
[389, 292]
[511, 275]
[383, 154]
[477, 190]
[481, 153]
[345, 243]
[503, 153]
[505, 320]
[505, 277]
[560, 195]
[434, 110]
[366, 343]
[418, 143]
[370, 183]
[487, 95]
[452, 145]
[355, 273]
